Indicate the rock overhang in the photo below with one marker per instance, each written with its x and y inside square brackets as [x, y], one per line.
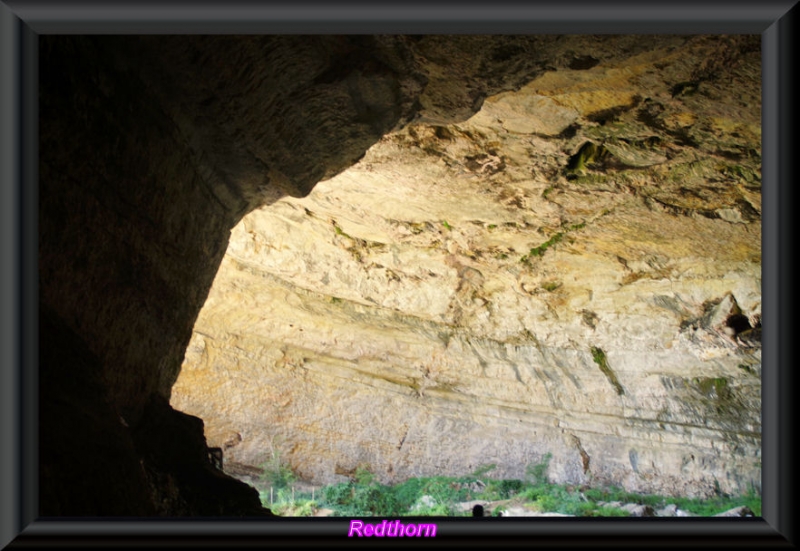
[141, 182]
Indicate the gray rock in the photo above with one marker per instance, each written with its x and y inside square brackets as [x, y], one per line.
[424, 502]
[742, 511]
[637, 510]
[670, 510]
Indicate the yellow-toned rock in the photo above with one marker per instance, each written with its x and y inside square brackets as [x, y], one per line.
[462, 297]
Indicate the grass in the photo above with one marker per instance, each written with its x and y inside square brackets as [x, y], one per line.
[363, 495]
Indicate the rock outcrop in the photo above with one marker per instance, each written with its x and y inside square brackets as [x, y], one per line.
[574, 270]
[153, 148]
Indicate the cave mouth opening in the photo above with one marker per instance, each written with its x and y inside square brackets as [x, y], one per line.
[414, 314]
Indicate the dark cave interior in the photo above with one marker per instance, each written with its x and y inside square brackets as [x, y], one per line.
[151, 149]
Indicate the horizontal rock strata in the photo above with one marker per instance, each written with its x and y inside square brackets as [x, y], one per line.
[574, 270]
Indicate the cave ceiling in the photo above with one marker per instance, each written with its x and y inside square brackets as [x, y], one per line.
[571, 265]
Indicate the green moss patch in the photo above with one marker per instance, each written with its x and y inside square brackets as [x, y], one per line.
[599, 358]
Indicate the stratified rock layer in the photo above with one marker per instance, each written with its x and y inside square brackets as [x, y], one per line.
[153, 148]
[574, 270]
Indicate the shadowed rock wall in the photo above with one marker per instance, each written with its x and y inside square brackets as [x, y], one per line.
[574, 270]
[151, 150]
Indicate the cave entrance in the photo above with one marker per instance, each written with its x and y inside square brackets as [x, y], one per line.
[434, 309]
[354, 328]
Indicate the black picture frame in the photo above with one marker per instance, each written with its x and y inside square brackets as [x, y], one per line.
[21, 22]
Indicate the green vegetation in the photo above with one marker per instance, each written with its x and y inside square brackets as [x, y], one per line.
[699, 507]
[340, 231]
[600, 359]
[585, 155]
[287, 506]
[713, 387]
[275, 473]
[551, 286]
[537, 472]
[363, 495]
[739, 172]
[446, 225]
[746, 368]
[554, 239]
[539, 251]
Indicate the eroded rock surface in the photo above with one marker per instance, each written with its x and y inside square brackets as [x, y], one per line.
[574, 270]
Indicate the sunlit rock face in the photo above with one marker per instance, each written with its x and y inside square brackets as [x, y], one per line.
[573, 270]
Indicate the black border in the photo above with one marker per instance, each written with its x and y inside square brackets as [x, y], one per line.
[20, 24]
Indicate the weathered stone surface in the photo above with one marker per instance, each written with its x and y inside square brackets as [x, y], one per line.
[743, 511]
[500, 288]
[637, 510]
[153, 148]
[670, 510]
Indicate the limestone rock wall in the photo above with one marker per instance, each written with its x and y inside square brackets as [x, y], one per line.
[574, 270]
[153, 148]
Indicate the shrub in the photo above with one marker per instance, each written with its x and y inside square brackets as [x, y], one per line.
[362, 496]
[537, 474]
[409, 491]
[545, 503]
[276, 473]
[502, 489]
[375, 500]
[338, 494]
[508, 488]
[363, 477]
[531, 493]
[482, 470]
[443, 489]
[299, 508]
[439, 510]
